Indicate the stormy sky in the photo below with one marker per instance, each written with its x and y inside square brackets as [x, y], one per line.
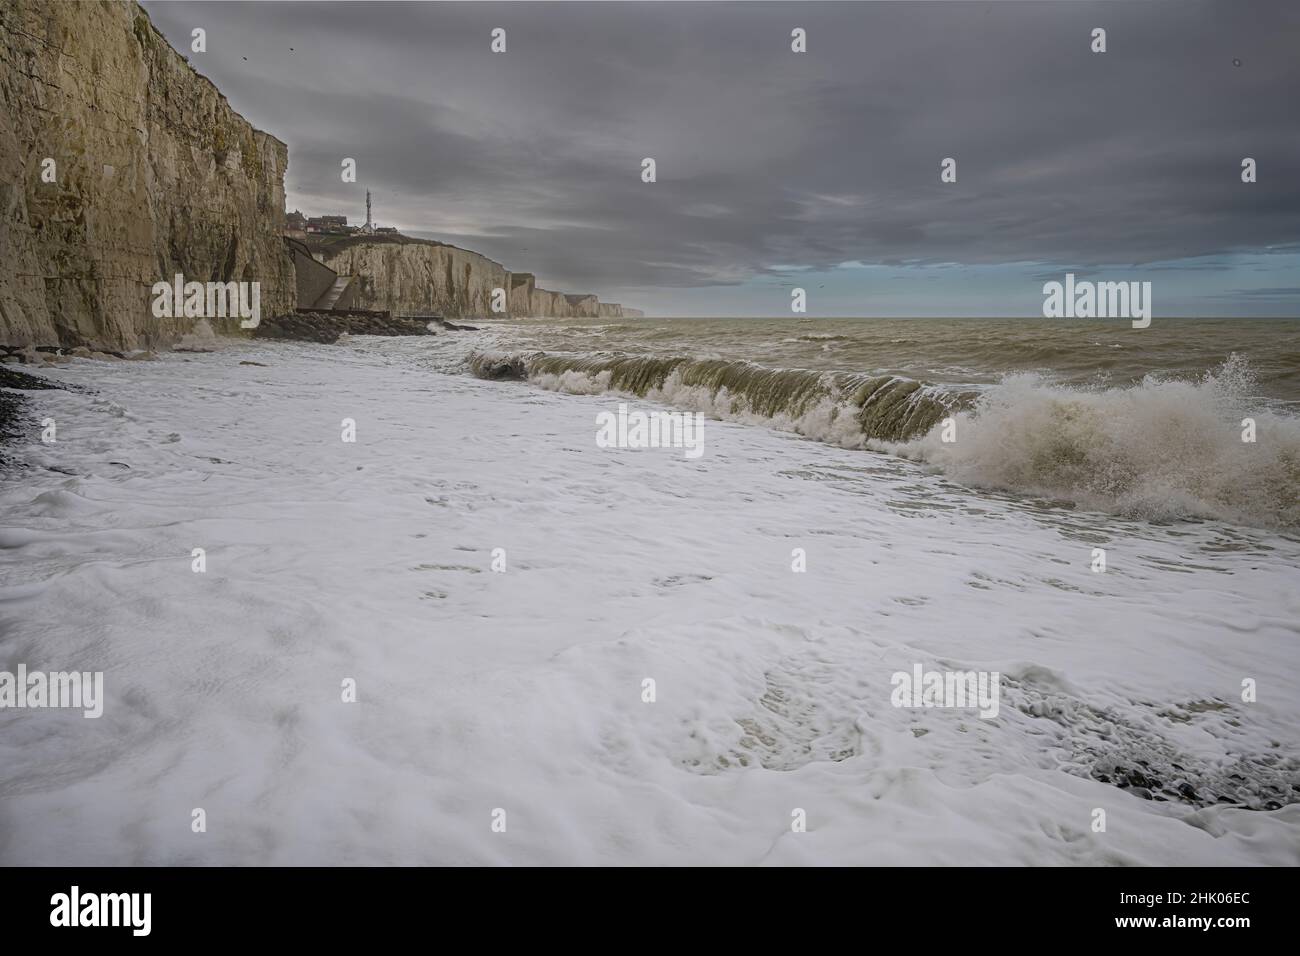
[779, 169]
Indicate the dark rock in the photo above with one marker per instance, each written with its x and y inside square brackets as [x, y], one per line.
[13, 379]
[326, 327]
[453, 326]
[11, 420]
[502, 368]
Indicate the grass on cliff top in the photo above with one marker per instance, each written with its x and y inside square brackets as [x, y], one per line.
[337, 243]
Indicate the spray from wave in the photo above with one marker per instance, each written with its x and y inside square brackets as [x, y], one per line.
[1164, 449]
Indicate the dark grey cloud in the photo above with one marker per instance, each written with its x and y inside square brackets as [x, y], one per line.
[766, 157]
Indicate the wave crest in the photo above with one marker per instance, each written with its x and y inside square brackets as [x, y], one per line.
[836, 407]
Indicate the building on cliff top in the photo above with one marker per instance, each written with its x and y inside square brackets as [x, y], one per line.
[330, 226]
[298, 227]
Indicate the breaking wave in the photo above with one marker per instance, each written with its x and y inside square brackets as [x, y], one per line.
[836, 407]
[1163, 449]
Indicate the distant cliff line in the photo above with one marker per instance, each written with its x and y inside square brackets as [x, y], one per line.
[408, 274]
[121, 166]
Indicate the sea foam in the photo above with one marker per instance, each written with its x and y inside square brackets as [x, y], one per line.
[1163, 449]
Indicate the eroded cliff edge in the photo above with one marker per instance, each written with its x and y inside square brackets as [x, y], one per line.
[155, 174]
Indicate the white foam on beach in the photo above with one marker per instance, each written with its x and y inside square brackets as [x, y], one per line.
[522, 691]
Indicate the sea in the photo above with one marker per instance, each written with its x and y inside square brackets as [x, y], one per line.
[392, 602]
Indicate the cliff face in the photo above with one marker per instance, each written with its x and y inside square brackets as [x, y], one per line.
[414, 275]
[584, 305]
[155, 175]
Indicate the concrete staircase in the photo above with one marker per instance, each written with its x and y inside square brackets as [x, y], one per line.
[333, 293]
